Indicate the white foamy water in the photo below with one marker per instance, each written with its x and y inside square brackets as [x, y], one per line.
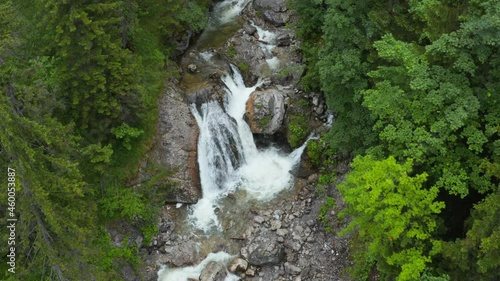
[228, 158]
[207, 56]
[270, 37]
[274, 63]
[267, 36]
[183, 274]
[329, 120]
[227, 11]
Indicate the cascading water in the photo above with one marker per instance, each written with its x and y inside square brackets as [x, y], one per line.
[228, 158]
[270, 43]
[224, 21]
[193, 272]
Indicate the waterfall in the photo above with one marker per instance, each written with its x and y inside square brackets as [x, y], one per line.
[270, 38]
[229, 10]
[181, 274]
[228, 158]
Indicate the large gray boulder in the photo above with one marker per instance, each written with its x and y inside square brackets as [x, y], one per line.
[182, 254]
[264, 250]
[273, 11]
[265, 111]
[213, 271]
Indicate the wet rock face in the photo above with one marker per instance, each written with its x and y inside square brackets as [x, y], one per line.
[175, 147]
[204, 95]
[245, 51]
[273, 11]
[214, 271]
[265, 111]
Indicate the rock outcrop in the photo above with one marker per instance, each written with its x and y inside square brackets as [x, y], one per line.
[265, 111]
[274, 11]
[175, 148]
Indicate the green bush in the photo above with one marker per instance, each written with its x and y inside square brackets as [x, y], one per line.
[323, 213]
[297, 130]
[244, 68]
[231, 52]
[265, 121]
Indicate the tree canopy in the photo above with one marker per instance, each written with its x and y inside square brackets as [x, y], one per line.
[79, 82]
[414, 82]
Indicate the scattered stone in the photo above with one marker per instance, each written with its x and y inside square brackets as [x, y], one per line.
[292, 269]
[283, 40]
[275, 224]
[249, 29]
[250, 272]
[315, 100]
[282, 232]
[299, 229]
[192, 68]
[238, 265]
[258, 219]
[320, 109]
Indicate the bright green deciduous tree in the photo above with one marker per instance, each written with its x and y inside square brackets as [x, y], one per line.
[427, 113]
[393, 216]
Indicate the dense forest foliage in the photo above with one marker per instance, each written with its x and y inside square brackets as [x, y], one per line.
[415, 87]
[79, 82]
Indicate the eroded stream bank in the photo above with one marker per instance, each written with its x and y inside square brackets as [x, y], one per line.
[248, 230]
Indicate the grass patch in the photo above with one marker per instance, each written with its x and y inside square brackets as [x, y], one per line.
[297, 130]
[303, 102]
[244, 68]
[323, 213]
[231, 52]
[289, 69]
[265, 121]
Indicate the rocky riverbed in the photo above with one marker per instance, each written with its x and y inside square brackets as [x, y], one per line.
[278, 239]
